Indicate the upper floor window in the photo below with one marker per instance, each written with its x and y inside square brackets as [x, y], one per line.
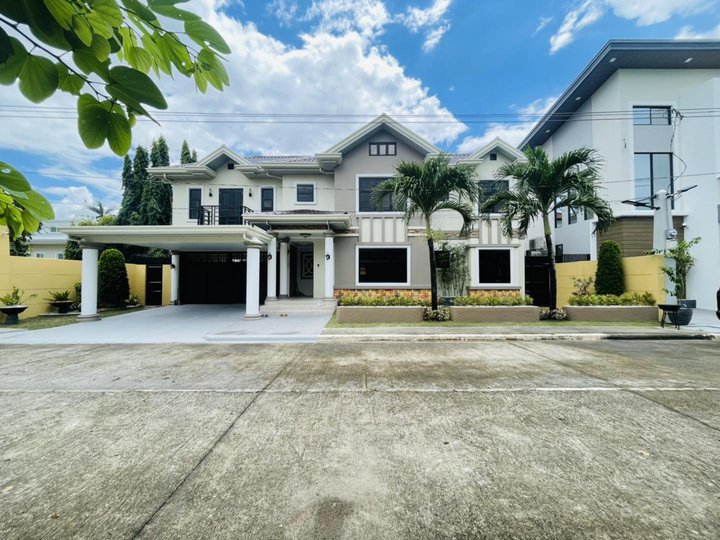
[651, 116]
[383, 149]
[491, 187]
[365, 198]
[653, 172]
[194, 196]
[267, 199]
[493, 157]
[558, 218]
[305, 193]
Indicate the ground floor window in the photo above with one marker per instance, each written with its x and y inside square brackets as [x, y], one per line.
[494, 266]
[386, 266]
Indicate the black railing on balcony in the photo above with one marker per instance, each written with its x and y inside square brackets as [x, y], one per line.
[222, 215]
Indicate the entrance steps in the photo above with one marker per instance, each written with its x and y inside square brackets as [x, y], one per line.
[286, 306]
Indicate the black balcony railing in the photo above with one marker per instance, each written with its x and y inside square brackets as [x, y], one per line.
[222, 215]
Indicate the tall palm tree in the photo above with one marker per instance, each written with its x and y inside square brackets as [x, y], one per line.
[421, 189]
[543, 186]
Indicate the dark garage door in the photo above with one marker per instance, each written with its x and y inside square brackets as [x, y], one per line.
[217, 277]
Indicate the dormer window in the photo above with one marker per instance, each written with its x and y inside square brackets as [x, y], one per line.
[231, 166]
[382, 149]
[493, 157]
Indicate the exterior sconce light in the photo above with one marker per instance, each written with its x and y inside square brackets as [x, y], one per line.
[250, 192]
[210, 192]
[327, 256]
[269, 257]
[172, 266]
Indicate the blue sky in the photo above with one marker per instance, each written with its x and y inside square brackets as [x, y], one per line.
[364, 57]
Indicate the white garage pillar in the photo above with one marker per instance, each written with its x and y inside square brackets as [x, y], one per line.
[252, 291]
[175, 278]
[284, 267]
[89, 279]
[272, 271]
[329, 267]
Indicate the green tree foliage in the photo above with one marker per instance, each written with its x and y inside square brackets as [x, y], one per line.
[541, 187]
[156, 200]
[185, 155]
[141, 162]
[130, 199]
[610, 276]
[193, 156]
[425, 188]
[74, 46]
[113, 284]
[683, 263]
[19, 246]
[101, 218]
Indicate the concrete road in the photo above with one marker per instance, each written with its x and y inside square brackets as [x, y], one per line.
[388, 440]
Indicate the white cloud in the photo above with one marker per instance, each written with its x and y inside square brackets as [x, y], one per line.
[512, 133]
[285, 10]
[587, 13]
[432, 21]
[688, 32]
[645, 12]
[70, 202]
[542, 23]
[367, 17]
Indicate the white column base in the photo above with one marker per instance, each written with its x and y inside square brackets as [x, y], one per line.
[175, 279]
[272, 271]
[89, 281]
[252, 291]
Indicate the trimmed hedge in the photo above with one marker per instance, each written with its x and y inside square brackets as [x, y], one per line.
[625, 299]
[113, 284]
[610, 277]
[510, 299]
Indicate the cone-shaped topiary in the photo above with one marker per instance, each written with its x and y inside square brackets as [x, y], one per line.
[113, 285]
[610, 277]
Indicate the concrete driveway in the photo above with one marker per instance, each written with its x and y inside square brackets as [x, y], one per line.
[390, 440]
[181, 324]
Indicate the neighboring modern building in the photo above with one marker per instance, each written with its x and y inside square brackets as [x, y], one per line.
[49, 242]
[652, 111]
[247, 228]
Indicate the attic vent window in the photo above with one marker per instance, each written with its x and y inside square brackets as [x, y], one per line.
[231, 166]
[493, 157]
[382, 149]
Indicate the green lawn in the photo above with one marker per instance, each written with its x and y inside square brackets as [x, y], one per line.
[42, 322]
[334, 324]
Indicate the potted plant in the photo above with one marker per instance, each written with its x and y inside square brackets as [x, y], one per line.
[13, 305]
[678, 276]
[61, 300]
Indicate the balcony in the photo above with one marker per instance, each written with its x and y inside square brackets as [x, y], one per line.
[221, 215]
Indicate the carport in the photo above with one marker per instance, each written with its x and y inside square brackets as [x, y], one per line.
[232, 271]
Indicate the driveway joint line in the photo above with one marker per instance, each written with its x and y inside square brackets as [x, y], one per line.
[629, 390]
[215, 443]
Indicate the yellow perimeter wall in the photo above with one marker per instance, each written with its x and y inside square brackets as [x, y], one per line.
[641, 274]
[40, 276]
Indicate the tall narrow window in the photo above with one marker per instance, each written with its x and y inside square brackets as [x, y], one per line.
[488, 188]
[267, 197]
[194, 197]
[653, 172]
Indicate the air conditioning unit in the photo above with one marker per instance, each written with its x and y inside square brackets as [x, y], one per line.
[537, 243]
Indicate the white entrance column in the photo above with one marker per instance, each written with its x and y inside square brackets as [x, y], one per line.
[89, 292]
[329, 267]
[252, 292]
[284, 267]
[174, 278]
[272, 270]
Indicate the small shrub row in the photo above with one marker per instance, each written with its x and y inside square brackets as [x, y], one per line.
[364, 300]
[510, 299]
[439, 314]
[547, 314]
[625, 299]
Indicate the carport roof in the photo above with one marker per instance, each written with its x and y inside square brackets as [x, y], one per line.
[185, 238]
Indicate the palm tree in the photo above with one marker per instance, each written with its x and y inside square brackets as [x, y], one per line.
[99, 210]
[542, 187]
[425, 188]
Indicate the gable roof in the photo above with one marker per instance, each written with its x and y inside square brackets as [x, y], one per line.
[623, 54]
[388, 123]
[215, 158]
[497, 144]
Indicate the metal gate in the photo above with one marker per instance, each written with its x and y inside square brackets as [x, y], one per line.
[153, 284]
[217, 277]
[537, 279]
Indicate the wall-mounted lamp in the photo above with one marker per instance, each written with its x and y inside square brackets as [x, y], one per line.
[210, 192]
[327, 256]
[172, 266]
[269, 257]
[250, 192]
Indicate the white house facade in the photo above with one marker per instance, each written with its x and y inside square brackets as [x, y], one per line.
[652, 111]
[250, 230]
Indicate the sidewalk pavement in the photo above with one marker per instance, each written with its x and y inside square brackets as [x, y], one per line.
[703, 320]
[511, 333]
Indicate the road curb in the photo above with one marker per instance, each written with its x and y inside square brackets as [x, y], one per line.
[360, 338]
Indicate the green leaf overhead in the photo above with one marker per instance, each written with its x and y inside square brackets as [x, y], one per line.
[93, 121]
[38, 78]
[11, 68]
[140, 10]
[119, 133]
[204, 34]
[138, 86]
[6, 47]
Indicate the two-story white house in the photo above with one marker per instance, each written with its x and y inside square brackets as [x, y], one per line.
[651, 109]
[250, 230]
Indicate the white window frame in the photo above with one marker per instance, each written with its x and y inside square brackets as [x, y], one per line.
[509, 184]
[475, 268]
[408, 250]
[202, 198]
[274, 197]
[306, 183]
[357, 196]
[39, 254]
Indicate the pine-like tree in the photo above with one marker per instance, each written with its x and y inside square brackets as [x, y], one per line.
[141, 177]
[610, 276]
[156, 200]
[185, 155]
[130, 199]
[193, 156]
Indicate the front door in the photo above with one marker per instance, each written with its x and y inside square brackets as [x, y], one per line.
[231, 204]
[153, 284]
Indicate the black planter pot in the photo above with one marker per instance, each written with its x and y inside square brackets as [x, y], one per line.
[11, 314]
[682, 317]
[63, 306]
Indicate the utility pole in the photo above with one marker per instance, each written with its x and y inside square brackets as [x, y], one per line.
[664, 234]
